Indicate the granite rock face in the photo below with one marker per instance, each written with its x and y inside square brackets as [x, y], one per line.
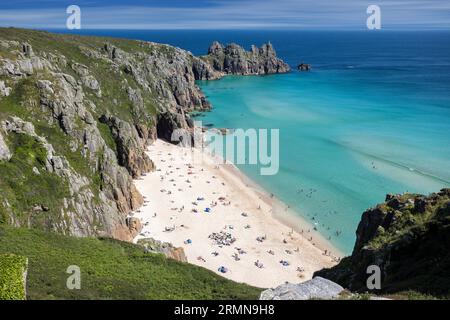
[130, 148]
[233, 59]
[316, 288]
[96, 105]
[407, 237]
[5, 154]
[155, 246]
[95, 113]
[4, 90]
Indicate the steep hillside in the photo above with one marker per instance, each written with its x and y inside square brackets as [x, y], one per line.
[408, 237]
[75, 116]
[111, 269]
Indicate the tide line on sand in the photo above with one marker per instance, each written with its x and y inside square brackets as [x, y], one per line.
[224, 222]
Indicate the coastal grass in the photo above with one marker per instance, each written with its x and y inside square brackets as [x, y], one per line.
[111, 269]
[22, 189]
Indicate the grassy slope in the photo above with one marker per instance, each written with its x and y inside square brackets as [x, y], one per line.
[111, 269]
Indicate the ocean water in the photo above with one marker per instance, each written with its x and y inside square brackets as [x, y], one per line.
[371, 118]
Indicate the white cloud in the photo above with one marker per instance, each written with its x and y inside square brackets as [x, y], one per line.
[221, 14]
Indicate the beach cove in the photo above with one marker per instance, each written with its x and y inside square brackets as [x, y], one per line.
[226, 223]
[369, 119]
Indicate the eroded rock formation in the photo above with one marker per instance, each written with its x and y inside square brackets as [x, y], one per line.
[233, 59]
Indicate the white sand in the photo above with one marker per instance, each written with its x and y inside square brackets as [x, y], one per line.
[167, 191]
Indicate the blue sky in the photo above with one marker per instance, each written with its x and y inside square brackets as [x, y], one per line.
[227, 14]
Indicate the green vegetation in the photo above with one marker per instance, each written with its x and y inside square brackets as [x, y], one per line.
[408, 237]
[12, 268]
[20, 188]
[24, 189]
[408, 222]
[111, 269]
[24, 102]
[114, 99]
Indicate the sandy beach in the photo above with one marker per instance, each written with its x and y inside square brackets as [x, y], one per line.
[224, 222]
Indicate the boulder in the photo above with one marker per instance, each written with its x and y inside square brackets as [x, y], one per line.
[134, 225]
[316, 288]
[5, 154]
[4, 90]
[166, 248]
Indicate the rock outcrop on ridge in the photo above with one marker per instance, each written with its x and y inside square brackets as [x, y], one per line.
[408, 238]
[233, 59]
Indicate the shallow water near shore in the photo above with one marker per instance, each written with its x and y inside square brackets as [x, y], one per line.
[341, 150]
[348, 134]
[371, 118]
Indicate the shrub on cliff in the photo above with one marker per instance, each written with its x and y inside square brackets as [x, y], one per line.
[408, 238]
[12, 277]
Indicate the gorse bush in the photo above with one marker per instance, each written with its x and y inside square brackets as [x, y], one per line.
[12, 269]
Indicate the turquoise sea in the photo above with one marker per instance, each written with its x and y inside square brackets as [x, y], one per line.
[371, 118]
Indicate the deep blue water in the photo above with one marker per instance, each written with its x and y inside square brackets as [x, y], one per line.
[373, 117]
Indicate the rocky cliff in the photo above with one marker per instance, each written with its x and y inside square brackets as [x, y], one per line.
[233, 59]
[76, 114]
[408, 237]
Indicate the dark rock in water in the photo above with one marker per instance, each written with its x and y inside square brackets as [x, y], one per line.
[316, 288]
[233, 59]
[304, 67]
[408, 238]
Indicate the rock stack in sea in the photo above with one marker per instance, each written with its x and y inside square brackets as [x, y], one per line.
[233, 59]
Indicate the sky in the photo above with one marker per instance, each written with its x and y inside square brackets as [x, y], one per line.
[227, 14]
